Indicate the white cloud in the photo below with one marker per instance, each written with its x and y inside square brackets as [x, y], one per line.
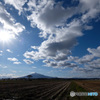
[51, 18]
[13, 59]
[34, 47]
[90, 62]
[17, 62]
[91, 8]
[8, 50]
[60, 64]
[46, 16]
[95, 52]
[28, 61]
[1, 52]
[8, 24]
[3, 66]
[60, 28]
[95, 64]
[18, 5]
[85, 59]
[81, 69]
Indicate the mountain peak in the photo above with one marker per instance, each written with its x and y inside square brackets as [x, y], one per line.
[35, 75]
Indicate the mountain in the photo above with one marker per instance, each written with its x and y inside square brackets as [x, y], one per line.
[35, 76]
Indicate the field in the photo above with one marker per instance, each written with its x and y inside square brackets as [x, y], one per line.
[45, 89]
[90, 85]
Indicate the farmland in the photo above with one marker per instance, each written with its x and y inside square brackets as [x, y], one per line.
[90, 85]
[41, 89]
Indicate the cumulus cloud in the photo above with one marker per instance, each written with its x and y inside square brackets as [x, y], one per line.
[60, 29]
[90, 62]
[92, 7]
[12, 59]
[95, 64]
[89, 58]
[95, 52]
[85, 59]
[83, 70]
[61, 44]
[28, 61]
[60, 64]
[87, 72]
[8, 50]
[50, 15]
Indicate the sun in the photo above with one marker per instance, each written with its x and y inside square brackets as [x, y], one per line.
[5, 36]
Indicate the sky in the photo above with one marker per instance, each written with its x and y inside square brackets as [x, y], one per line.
[58, 38]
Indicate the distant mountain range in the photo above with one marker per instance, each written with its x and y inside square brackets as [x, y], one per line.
[36, 76]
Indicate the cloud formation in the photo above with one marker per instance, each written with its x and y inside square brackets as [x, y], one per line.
[90, 62]
[14, 60]
[3, 66]
[60, 29]
[28, 61]
[95, 52]
[9, 24]
[18, 5]
[17, 62]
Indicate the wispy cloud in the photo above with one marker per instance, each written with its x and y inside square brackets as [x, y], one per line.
[17, 63]
[34, 67]
[18, 5]
[3, 66]
[8, 50]
[28, 61]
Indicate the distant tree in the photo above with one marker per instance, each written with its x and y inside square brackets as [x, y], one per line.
[29, 77]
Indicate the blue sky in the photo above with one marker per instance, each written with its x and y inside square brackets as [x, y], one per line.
[53, 37]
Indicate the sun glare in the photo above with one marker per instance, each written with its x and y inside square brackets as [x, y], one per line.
[4, 36]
